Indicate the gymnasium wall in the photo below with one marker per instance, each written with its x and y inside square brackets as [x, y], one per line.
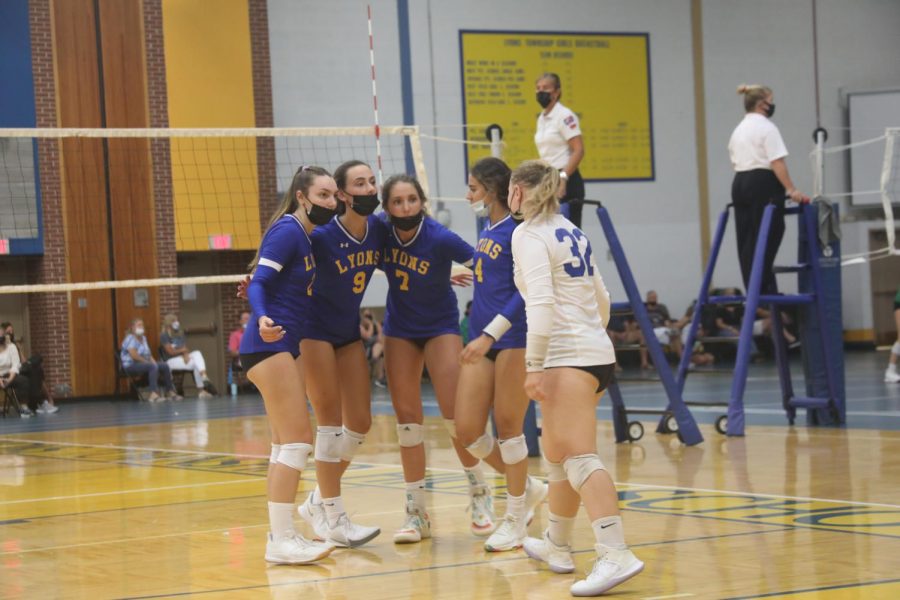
[767, 41]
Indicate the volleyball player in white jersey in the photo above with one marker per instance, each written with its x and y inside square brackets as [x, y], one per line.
[569, 361]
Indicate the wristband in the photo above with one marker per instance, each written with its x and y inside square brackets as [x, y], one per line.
[563, 175]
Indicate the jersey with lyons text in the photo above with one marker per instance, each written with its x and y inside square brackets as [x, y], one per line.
[420, 302]
[495, 291]
[281, 287]
[344, 268]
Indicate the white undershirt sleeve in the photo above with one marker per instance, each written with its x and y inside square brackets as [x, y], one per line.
[533, 257]
[602, 295]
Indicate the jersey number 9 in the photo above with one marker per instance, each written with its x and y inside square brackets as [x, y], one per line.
[584, 262]
[359, 282]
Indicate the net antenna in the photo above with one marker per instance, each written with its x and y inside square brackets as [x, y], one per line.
[375, 98]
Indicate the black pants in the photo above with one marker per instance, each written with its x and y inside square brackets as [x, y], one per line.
[751, 192]
[575, 197]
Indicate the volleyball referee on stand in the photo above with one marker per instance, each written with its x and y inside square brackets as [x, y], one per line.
[761, 177]
[559, 142]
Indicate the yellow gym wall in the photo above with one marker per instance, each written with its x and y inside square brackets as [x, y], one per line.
[209, 77]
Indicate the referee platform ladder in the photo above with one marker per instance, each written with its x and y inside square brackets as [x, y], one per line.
[676, 417]
[809, 270]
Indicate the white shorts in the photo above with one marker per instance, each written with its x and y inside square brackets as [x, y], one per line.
[758, 328]
[662, 334]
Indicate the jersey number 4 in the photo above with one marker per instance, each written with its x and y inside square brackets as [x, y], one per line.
[584, 262]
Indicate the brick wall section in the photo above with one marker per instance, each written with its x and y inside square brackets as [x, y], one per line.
[262, 104]
[48, 313]
[232, 306]
[154, 51]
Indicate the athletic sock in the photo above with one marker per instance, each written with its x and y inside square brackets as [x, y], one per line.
[515, 505]
[560, 530]
[475, 475]
[334, 508]
[609, 532]
[281, 519]
[415, 493]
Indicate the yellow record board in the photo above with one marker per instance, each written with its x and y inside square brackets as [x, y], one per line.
[605, 81]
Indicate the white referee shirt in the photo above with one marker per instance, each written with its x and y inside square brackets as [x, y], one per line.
[755, 143]
[566, 303]
[554, 131]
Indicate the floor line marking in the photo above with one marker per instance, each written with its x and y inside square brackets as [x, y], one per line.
[200, 532]
[137, 491]
[447, 470]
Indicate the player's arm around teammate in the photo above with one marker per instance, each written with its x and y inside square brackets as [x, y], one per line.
[284, 272]
[569, 359]
[492, 371]
[335, 368]
[421, 329]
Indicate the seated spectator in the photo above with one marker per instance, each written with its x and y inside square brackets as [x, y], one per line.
[12, 379]
[234, 341]
[137, 360]
[373, 341]
[663, 327]
[728, 319]
[179, 357]
[762, 326]
[38, 397]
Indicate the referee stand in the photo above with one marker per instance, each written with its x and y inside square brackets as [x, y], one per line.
[676, 416]
[818, 272]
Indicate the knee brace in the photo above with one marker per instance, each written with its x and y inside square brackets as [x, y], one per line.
[513, 450]
[295, 455]
[482, 447]
[350, 443]
[273, 455]
[329, 440]
[450, 424]
[579, 468]
[410, 434]
[555, 471]
[895, 349]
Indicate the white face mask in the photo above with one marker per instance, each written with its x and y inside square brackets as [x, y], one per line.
[176, 325]
[243, 326]
[480, 208]
[138, 331]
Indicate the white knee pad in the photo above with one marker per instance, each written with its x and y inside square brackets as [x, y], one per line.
[895, 349]
[579, 468]
[513, 450]
[329, 443]
[482, 447]
[273, 455]
[351, 443]
[410, 434]
[555, 471]
[450, 424]
[295, 455]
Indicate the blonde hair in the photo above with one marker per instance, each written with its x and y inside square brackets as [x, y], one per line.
[539, 182]
[167, 322]
[752, 95]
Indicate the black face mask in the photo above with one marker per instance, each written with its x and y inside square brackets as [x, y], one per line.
[407, 223]
[770, 110]
[319, 215]
[364, 205]
[544, 99]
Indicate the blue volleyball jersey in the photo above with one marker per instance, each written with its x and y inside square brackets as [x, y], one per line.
[281, 288]
[420, 302]
[495, 290]
[344, 268]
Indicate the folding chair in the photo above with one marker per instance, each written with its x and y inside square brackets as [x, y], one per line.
[134, 381]
[10, 401]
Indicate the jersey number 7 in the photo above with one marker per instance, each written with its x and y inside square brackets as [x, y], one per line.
[584, 262]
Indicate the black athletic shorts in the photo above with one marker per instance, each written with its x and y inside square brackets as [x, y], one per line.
[250, 360]
[602, 373]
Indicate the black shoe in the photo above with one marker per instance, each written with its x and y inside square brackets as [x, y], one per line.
[209, 387]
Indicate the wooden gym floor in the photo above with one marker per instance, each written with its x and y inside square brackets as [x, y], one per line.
[120, 500]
